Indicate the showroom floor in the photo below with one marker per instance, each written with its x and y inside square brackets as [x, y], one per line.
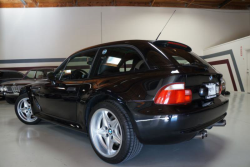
[50, 145]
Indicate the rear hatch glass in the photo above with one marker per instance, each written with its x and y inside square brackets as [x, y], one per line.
[183, 58]
[201, 77]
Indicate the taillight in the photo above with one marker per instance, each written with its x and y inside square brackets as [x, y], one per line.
[173, 94]
[218, 89]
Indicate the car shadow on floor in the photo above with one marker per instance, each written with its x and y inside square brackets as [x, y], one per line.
[195, 152]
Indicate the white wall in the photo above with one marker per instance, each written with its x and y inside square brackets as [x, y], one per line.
[58, 32]
[240, 50]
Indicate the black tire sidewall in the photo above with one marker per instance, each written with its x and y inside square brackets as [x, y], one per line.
[25, 95]
[124, 150]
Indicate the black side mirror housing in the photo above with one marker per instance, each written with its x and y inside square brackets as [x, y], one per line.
[51, 76]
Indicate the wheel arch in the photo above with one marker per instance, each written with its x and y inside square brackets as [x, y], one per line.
[98, 98]
[23, 90]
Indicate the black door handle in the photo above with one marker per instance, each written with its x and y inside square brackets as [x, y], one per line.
[71, 89]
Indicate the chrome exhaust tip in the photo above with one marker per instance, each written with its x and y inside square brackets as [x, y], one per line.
[220, 123]
[201, 135]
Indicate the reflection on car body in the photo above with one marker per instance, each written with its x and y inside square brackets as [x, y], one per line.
[129, 93]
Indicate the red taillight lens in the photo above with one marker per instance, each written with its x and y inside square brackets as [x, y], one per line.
[173, 94]
[220, 89]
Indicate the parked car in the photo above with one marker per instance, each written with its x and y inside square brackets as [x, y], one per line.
[129, 93]
[8, 75]
[12, 88]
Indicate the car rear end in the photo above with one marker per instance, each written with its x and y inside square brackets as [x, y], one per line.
[186, 101]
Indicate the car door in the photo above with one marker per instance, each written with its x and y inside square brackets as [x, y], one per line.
[58, 98]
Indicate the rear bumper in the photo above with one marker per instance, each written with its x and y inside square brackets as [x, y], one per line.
[178, 127]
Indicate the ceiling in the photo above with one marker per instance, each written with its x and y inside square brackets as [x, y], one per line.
[207, 4]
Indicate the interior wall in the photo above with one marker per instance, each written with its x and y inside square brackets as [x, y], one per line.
[236, 53]
[45, 33]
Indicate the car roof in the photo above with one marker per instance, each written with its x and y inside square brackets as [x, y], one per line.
[10, 71]
[135, 43]
[124, 42]
[35, 69]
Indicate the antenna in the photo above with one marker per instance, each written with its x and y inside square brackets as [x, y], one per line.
[165, 25]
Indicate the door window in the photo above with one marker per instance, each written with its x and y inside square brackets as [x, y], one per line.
[31, 75]
[39, 75]
[78, 66]
[118, 60]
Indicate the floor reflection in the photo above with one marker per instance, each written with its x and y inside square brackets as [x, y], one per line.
[46, 144]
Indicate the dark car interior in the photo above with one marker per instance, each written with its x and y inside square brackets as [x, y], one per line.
[114, 60]
[120, 60]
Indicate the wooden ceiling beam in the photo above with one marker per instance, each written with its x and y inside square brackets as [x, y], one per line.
[35, 2]
[226, 2]
[178, 3]
[190, 3]
[75, 2]
[152, 3]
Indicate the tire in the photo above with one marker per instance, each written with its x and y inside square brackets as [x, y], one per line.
[120, 133]
[10, 100]
[24, 112]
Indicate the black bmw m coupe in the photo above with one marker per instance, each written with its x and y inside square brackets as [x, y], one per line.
[129, 93]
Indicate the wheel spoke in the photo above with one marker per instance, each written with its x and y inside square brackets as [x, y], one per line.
[26, 104]
[101, 131]
[28, 116]
[109, 144]
[117, 138]
[23, 110]
[105, 118]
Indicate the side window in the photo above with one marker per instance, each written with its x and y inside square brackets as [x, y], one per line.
[79, 66]
[39, 75]
[18, 75]
[117, 60]
[7, 75]
[31, 75]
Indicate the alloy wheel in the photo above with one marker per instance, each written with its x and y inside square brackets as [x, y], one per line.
[106, 133]
[25, 111]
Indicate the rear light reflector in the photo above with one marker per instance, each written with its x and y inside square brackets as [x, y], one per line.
[218, 89]
[173, 94]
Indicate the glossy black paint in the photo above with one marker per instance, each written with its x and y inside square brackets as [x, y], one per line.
[69, 103]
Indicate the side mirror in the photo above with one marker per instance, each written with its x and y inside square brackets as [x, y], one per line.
[51, 76]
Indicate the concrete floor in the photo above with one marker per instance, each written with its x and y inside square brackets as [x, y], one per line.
[54, 146]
